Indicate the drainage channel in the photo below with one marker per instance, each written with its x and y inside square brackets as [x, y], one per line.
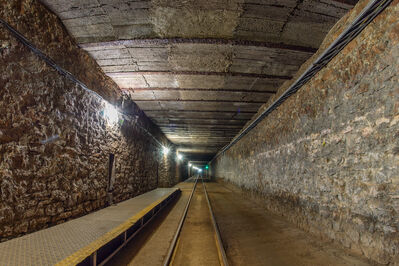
[197, 240]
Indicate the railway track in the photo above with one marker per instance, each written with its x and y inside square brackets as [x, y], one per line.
[197, 239]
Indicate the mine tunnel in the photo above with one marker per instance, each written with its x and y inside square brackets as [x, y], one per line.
[199, 132]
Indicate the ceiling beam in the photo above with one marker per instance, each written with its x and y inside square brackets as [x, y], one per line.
[199, 130]
[158, 41]
[196, 146]
[201, 135]
[219, 135]
[203, 142]
[196, 73]
[198, 123]
[170, 118]
[202, 122]
[178, 135]
[199, 111]
[182, 126]
[196, 101]
[204, 115]
[202, 130]
[199, 138]
[199, 89]
[348, 2]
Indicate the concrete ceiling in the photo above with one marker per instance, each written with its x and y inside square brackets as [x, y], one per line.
[200, 69]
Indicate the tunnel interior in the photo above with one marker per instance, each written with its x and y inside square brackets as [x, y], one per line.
[199, 70]
[277, 115]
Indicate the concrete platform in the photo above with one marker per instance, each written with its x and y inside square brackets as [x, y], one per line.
[151, 245]
[89, 239]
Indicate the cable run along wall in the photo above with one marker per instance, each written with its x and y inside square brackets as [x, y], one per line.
[366, 17]
[65, 73]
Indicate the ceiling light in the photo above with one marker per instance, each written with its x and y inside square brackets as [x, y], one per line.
[110, 113]
[165, 150]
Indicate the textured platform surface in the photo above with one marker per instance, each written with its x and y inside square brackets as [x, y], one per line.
[60, 242]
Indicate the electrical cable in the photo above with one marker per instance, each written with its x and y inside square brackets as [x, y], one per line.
[21, 38]
[362, 20]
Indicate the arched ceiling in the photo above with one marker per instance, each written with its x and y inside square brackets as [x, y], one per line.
[200, 69]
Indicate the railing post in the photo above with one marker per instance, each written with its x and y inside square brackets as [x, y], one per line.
[93, 259]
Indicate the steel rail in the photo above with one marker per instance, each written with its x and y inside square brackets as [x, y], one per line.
[219, 242]
[367, 15]
[172, 247]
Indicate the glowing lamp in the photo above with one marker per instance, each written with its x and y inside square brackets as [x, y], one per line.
[165, 150]
[110, 113]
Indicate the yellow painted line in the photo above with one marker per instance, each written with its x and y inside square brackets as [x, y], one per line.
[86, 251]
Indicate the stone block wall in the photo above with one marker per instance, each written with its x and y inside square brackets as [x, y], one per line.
[328, 157]
[55, 142]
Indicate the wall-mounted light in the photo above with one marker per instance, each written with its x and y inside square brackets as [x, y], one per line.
[189, 164]
[110, 113]
[179, 157]
[165, 150]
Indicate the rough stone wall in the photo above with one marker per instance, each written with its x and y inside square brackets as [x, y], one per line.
[328, 157]
[43, 183]
[168, 165]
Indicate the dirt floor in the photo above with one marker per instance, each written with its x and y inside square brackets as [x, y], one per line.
[253, 236]
[250, 235]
